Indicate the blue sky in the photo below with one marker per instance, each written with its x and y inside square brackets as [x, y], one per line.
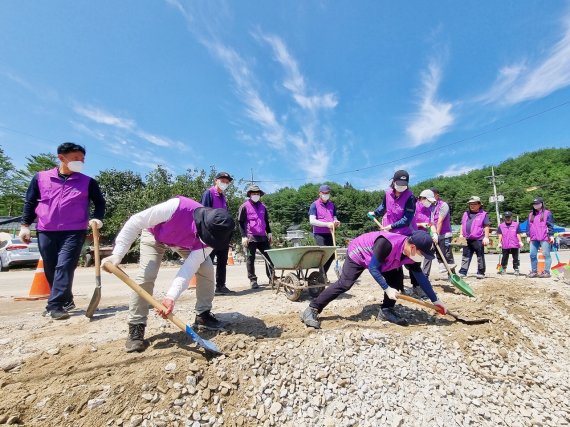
[295, 91]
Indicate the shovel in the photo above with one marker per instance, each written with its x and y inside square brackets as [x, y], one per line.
[373, 218]
[97, 293]
[455, 280]
[499, 264]
[560, 265]
[449, 313]
[207, 345]
[336, 264]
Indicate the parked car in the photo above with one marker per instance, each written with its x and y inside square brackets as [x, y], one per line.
[564, 242]
[14, 252]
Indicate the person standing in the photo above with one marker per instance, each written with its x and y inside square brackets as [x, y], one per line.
[255, 231]
[60, 199]
[510, 241]
[322, 216]
[541, 235]
[475, 227]
[185, 226]
[214, 197]
[382, 254]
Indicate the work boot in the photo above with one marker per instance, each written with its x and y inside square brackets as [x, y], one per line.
[56, 314]
[390, 315]
[223, 290]
[254, 284]
[135, 340]
[207, 320]
[310, 317]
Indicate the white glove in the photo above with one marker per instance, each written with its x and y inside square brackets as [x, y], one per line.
[244, 242]
[521, 244]
[270, 237]
[336, 223]
[435, 238]
[440, 307]
[371, 214]
[112, 259]
[485, 241]
[392, 293]
[95, 223]
[25, 234]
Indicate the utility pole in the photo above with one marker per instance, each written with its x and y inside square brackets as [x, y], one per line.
[494, 180]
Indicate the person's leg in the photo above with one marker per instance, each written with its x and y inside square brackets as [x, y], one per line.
[547, 258]
[466, 258]
[479, 250]
[68, 258]
[534, 244]
[264, 246]
[445, 246]
[395, 279]
[221, 266]
[250, 261]
[325, 240]
[426, 266]
[205, 287]
[49, 249]
[505, 258]
[516, 261]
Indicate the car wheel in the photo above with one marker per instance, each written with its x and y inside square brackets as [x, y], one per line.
[2, 268]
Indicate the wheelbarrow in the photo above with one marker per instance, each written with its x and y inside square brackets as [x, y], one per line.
[294, 265]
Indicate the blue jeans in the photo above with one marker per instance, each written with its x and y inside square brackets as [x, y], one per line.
[60, 252]
[545, 246]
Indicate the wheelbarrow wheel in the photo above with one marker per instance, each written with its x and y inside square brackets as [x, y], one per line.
[316, 278]
[292, 294]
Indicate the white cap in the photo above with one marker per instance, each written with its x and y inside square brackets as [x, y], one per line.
[428, 194]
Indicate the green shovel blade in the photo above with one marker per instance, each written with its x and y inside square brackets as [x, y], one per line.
[462, 285]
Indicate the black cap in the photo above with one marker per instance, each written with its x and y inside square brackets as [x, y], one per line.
[538, 200]
[214, 226]
[423, 241]
[508, 214]
[401, 177]
[254, 189]
[224, 175]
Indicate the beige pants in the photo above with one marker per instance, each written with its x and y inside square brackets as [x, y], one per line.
[151, 256]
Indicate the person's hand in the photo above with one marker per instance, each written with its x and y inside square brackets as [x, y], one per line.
[244, 242]
[392, 293]
[168, 304]
[435, 238]
[485, 241]
[499, 245]
[95, 223]
[440, 307]
[336, 223]
[521, 244]
[112, 259]
[270, 237]
[371, 215]
[25, 234]
[550, 240]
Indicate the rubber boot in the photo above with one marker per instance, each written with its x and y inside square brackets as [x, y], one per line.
[310, 317]
[390, 315]
[135, 340]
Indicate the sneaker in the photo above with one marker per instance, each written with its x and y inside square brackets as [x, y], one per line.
[254, 285]
[223, 290]
[462, 274]
[69, 306]
[390, 315]
[135, 340]
[56, 314]
[544, 275]
[532, 274]
[310, 317]
[480, 276]
[517, 272]
[207, 320]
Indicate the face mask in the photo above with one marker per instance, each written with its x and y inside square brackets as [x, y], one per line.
[426, 203]
[325, 197]
[537, 206]
[255, 198]
[417, 257]
[400, 188]
[75, 166]
[222, 185]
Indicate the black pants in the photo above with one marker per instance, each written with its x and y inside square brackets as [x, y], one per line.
[348, 276]
[505, 258]
[222, 261]
[250, 259]
[325, 240]
[444, 244]
[60, 251]
[473, 247]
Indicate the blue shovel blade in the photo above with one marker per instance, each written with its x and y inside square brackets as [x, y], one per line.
[208, 345]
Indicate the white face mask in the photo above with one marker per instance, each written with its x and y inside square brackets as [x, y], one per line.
[222, 185]
[255, 198]
[325, 197]
[537, 206]
[75, 166]
[418, 257]
[400, 188]
[426, 203]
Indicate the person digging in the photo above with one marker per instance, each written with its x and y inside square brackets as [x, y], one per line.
[382, 254]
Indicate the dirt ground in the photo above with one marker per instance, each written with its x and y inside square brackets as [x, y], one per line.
[76, 372]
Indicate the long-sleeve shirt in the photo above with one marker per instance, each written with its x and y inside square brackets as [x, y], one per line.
[443, 212]
[409, 211]
[149, 218]
[313, 217]
[33, 195]
[242, 220]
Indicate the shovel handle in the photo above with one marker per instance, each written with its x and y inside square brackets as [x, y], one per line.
[96, 250]
[443, 258]
[334, 240]
[417, 301]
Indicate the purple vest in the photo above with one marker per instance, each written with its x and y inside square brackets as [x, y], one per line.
[361, 250]
[477, 232]
[422, 214]
[180, 230]
[446, 224]
[325, 213]
[218, 199]
[395, 211]
[63, 205]
[537, 228]
[256, 213]
[510, 235]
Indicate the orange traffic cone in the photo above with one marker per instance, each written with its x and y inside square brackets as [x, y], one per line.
[192, 283]
[231, 258]
[40, 286]
[541, 262]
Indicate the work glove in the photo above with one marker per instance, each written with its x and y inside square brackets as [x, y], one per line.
[435, 238]
[244, 242]
[440, 307]
[112, 259]
[336, 223]
[392, 293]
[95, 223]
[521, 244]
[485, 241]
[371, 215]
[270, 237]
[168, 303]
[25, 234]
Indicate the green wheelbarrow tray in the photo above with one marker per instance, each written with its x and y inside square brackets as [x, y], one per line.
[461, 284]
[300, 257]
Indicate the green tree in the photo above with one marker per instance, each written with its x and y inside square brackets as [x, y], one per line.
[9, 199]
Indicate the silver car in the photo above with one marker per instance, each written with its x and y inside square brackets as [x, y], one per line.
[14, 252]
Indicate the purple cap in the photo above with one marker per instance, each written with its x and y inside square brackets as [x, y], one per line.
[324, 189]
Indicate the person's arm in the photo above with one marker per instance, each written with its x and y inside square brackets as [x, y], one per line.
[381, 209]
[550, 224]
[409, 212]
[313, 218]
[187, 270]
[500, 237]
[31, 201]
[206, 199]
[98, 200]
[267, 226]
[443, 211]
[242, 220]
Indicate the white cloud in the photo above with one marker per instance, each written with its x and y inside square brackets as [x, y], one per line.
[103, 117]
[521, 82]
[456, 169]
[433, 117]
